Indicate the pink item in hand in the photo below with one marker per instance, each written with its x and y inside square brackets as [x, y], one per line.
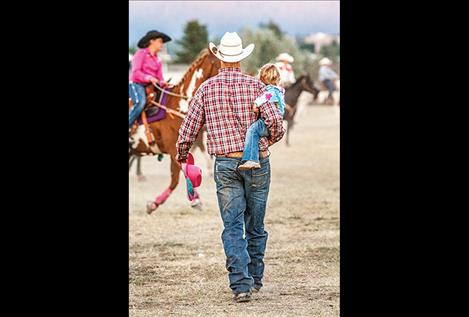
[193, 172]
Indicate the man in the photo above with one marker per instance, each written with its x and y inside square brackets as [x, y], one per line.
[327, 76]
[287, 76]
[224, 104]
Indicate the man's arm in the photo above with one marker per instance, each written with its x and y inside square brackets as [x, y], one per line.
[190, 126]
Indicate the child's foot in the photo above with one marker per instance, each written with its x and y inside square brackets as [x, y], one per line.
[249, 165]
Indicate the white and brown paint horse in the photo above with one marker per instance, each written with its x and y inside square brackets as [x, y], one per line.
[166, 131]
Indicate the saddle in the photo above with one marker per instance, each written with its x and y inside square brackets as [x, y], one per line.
[153, 112]
[150, 112]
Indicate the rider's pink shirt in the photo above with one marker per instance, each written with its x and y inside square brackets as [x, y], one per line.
[144, 66]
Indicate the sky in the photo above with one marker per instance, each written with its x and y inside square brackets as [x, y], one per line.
[296, 18]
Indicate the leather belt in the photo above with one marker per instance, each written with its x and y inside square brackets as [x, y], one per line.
[262, 154]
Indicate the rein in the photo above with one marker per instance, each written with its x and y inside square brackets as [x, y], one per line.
[171, 111]
[171, 93]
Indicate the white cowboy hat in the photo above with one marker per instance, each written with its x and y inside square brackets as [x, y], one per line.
[231, 48]
[285, 57]
[325, 61]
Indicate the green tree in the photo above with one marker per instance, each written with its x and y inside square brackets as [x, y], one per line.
[331, 51]
[194, 40]
[132, 50]
[274, 28]
[307, 47]
[268, 47]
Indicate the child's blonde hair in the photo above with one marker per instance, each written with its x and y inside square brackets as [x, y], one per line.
[269, 74]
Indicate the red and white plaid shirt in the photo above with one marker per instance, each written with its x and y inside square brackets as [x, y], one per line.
[224, 104]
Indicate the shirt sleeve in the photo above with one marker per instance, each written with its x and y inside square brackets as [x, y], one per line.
[268, 96]
[260, 100]
[159, 72]
[281, 102]
[273, 121]
[191, 125]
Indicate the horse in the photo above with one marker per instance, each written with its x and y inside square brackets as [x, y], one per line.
[166, 131]
[292, 93]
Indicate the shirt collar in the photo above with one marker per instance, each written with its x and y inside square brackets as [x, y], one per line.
[147, 50]
[230, 69]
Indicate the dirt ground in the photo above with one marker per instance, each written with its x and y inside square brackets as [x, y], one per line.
[176, 260]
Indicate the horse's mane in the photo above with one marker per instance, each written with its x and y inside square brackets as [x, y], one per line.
[194, 64]
[298, 80]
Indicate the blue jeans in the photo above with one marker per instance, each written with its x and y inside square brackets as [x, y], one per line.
[330, 86]
[242, 199]
[251, 143]
[139, 98]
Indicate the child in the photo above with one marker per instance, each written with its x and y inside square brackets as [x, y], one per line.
[269, 74]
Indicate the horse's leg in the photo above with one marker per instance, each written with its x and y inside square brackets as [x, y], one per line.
[153, 205]
[139, 168]
[140, 176]
[291, 123]
[336, 98]
[131, 160]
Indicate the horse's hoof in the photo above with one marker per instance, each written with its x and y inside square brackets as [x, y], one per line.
[141, 178]
[151, 207]
[197, 204]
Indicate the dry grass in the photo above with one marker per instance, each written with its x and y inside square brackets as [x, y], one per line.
[176, 255]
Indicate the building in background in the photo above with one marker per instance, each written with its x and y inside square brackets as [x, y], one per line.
[321, 39]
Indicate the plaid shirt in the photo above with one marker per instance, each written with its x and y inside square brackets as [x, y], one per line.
[224, 104]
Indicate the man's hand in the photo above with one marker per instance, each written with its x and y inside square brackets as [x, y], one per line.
[180, 159]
